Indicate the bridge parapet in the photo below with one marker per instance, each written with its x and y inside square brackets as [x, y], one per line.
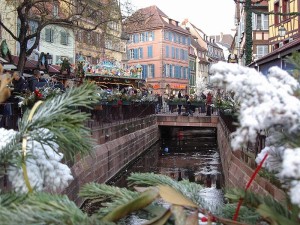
[191, 121]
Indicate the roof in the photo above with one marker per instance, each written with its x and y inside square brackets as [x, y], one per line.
[151, 18]
[196, 45]
[224, 39]
[32, 65]
[279, 52]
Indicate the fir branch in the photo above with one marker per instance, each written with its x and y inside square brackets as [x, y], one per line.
[108, 196]
[246, 215]
[62, 117]
[189, 189]
[43, 208]
[102, 192]
[254, 201]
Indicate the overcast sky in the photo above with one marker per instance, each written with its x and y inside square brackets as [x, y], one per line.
[211, 16]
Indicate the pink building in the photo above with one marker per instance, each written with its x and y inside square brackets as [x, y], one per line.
[161, 47]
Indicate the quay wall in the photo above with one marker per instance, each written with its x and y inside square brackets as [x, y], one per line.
[237, 171]
[117, 145]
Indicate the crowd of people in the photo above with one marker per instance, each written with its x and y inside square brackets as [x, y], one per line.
[21, 85]
[185, 100]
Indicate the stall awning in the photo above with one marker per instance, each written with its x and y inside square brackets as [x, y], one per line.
[3, 60]
[32, 65]
[178, 86]
[9, 67]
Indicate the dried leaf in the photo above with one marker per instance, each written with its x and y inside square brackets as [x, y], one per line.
[138, 203]
[172, 196]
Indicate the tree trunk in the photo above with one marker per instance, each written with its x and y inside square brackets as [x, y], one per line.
[22, 59]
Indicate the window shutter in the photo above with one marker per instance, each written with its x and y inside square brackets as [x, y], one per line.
[173, 53]
[128, 54]
[265, 21]
[48, 35]
[254, 21]
[153, 38]
[150, 54]
[64, 38]
[153, 73]
[141, 53]
[144, 72]
[164, 70]
[167, 51]
[135, 53]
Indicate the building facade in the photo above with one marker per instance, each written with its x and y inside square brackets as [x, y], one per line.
[9, 17]
[59, 42]
[161, 48]
[105, 41]
[284, 35]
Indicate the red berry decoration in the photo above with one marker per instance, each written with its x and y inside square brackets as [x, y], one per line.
[204, 219]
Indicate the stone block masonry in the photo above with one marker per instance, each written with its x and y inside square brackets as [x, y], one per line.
[237, 173]
[110, 156]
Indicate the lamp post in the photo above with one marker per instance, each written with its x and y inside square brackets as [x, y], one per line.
[281, 31]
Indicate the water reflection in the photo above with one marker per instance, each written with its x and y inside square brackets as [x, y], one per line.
[183, 154]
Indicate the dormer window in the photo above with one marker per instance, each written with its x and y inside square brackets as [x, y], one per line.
[55, 10]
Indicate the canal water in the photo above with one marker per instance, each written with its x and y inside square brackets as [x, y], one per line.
[182, 153]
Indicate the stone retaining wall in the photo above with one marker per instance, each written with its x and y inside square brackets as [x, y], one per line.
[110, 156]
[237, 173]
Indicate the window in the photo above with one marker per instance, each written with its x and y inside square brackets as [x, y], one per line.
[261, 50]
[97, 39]
[131, 53]
[260, 22]
[142, 37]
[166, 34]
[79, 36]
[151, 70]
[276, 10]
[151, 36]
[32, 27]
[181, 54]
[140, 53]
[89, 40]
[55, 10]
[167, 70]
[173, 52]
[145, 71]
[64, 38]
[285, 9]
[167, 51]
[49, 33]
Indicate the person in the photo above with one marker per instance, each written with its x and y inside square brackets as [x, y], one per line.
[208, 104]
[19, 83]
[57, 84]
[160, 102]
[188, 105]
[179, 106]
[34, 80]
[171, 107]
